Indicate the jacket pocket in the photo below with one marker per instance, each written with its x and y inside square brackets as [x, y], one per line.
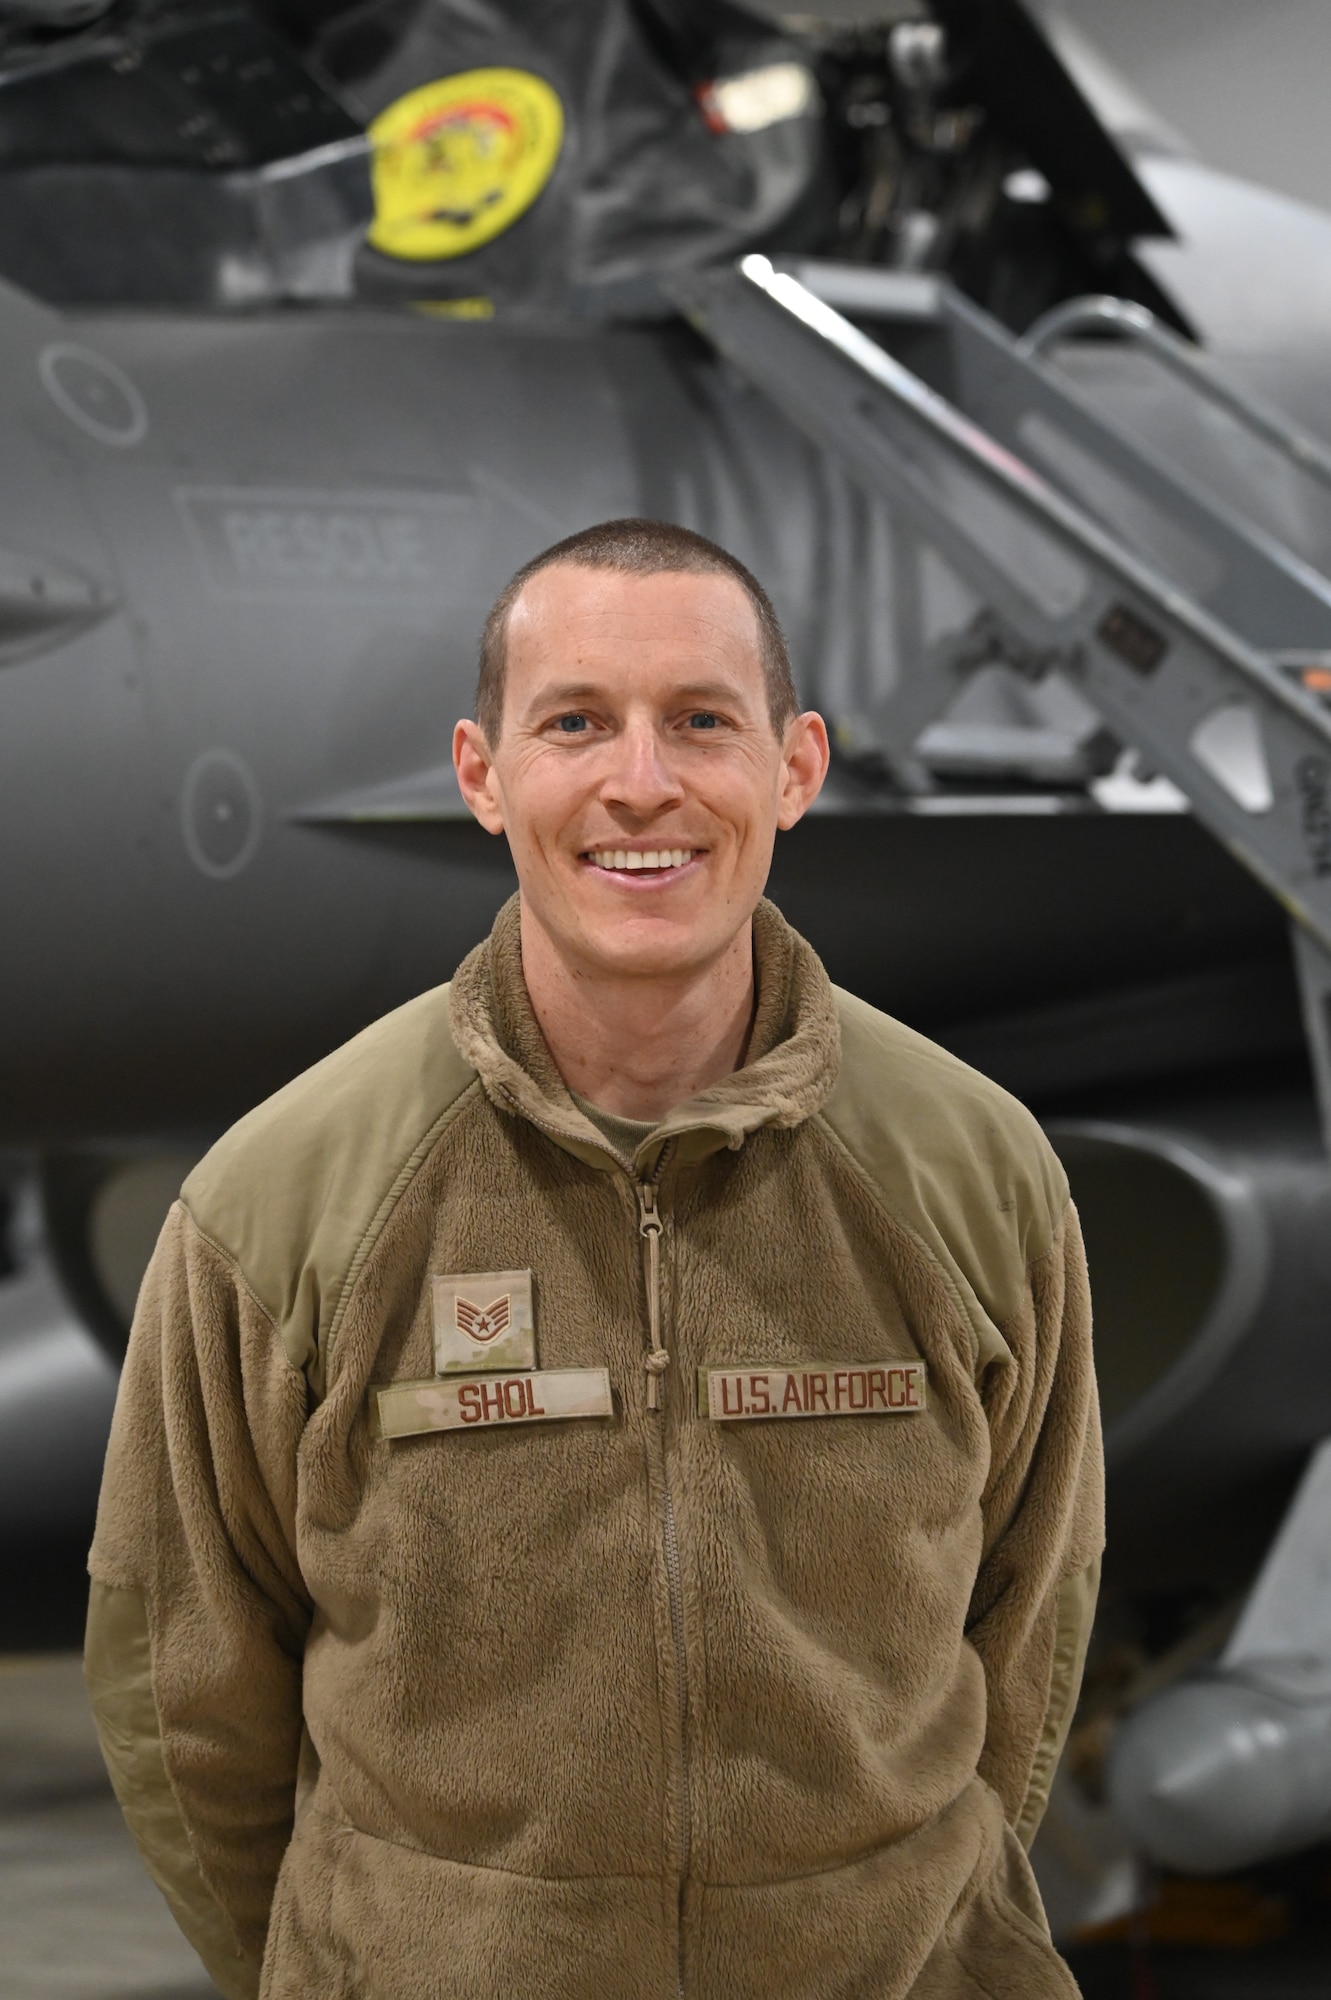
[411, 1925]
[996, 1943]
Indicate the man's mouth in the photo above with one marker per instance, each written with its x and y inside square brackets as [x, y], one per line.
[641, 861]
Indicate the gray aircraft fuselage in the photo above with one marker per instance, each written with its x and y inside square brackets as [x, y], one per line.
[245, 566]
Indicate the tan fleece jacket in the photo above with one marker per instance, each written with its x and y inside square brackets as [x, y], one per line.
[637, 1704]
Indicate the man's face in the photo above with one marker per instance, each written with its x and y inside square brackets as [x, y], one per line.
[637, 776]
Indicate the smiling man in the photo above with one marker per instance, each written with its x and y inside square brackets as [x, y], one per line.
[638, 740]
[605, 1494]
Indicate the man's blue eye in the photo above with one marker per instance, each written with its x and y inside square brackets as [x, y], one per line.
[703, 721]
[572, 725]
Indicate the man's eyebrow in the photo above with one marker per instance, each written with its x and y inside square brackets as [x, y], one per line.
[559, 694]
[568, 694]
[717, 691]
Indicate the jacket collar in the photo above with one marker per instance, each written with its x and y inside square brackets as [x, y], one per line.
[792, 1062]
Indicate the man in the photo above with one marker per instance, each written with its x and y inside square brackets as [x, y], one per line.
[605, 1493]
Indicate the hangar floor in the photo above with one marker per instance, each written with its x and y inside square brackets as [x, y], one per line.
[79, 1919]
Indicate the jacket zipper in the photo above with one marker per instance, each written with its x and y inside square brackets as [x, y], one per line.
[656, 1363]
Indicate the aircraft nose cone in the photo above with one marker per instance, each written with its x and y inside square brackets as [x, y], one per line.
[1217, 1774]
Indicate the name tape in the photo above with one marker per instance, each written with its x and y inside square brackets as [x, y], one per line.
[543, 1396]
[815, 1389]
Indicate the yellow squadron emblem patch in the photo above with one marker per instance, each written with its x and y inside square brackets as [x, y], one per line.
[459, 160]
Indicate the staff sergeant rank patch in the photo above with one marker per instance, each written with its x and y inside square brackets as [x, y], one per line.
[814, 1389]
[483, 1319]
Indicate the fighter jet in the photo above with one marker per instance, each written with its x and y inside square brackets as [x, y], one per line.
[316, 321]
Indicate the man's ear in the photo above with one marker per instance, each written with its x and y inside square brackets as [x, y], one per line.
[474, 764]
[805, 755]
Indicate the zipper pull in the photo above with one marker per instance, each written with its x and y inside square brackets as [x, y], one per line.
[649, 1228]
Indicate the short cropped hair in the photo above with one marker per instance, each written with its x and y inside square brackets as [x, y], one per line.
[635, 547]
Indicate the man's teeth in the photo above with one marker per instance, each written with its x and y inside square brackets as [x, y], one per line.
[662, 857]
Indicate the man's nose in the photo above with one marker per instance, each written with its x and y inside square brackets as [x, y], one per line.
[641, 779]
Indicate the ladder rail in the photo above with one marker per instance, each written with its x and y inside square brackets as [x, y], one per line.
[1100, 312]
[1241, 573]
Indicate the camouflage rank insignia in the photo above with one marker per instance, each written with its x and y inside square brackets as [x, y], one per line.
[483, 1321]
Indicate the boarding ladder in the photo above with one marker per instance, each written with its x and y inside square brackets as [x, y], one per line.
[1244, 649]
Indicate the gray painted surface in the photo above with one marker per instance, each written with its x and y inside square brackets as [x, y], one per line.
[1224, 1772]
[1244, 81]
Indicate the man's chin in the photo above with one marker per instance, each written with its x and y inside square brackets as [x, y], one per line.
[650, 946]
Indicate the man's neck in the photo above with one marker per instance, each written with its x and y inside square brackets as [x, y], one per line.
[638, 1047]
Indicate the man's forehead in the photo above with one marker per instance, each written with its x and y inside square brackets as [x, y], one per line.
[586, 635]
[568, 599]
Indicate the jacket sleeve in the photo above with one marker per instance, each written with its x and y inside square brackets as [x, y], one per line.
[197, 1619]
[1034, 1598]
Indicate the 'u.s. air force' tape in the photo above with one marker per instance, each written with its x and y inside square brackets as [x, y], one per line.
[453, 1403]
[814, 1389]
